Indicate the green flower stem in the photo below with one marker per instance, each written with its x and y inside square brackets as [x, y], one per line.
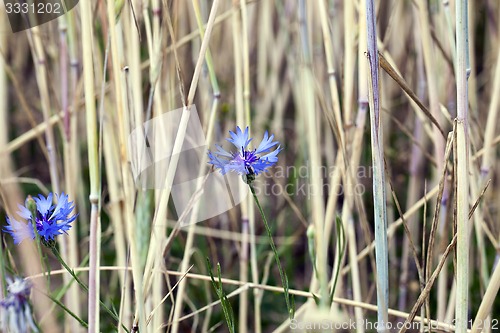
[31, 205]
[52, 246]
[65, 288]
[284, 279]
[226, 305]
[71, 313]
[340, 252]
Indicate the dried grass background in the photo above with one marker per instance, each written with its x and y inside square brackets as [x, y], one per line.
[73, 89]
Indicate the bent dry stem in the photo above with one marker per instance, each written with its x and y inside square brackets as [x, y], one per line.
[290, 304]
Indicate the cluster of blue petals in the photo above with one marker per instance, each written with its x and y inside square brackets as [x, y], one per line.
[244, 161]
[50, 220]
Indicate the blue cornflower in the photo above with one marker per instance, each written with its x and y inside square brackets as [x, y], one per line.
[51, 220]
[15, 310]
[243, 161]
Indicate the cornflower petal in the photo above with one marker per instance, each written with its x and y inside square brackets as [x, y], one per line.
[62, 201]
[217, 162]
[266, 144]
[44, 204]
[24, 212]
[19, 231]
[222, 152]
[239, 139]
[63, 208]
[272, 157]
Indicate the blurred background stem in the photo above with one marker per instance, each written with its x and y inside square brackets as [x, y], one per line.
[379, 196]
